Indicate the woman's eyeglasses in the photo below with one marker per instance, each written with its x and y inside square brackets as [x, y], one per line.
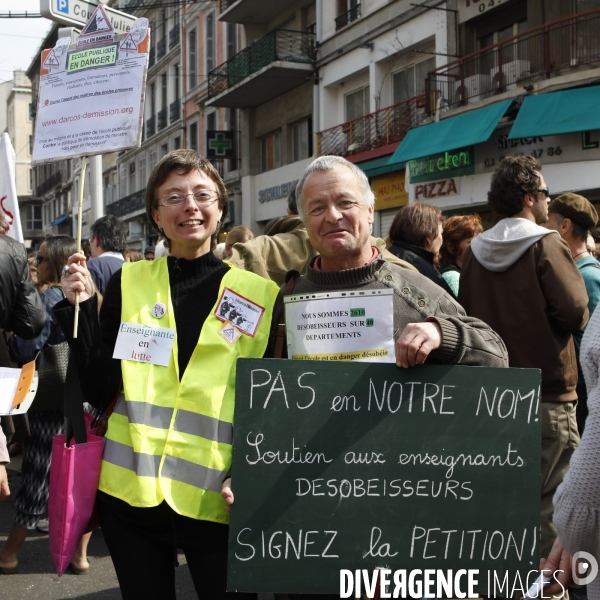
[39, 259]
[202, 198]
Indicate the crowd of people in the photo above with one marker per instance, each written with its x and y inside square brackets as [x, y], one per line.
[521, 294]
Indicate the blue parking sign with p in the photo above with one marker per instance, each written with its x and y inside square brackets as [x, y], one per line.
[63, 6]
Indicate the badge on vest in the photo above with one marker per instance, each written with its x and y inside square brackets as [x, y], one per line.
[240, 312]
[159, 310]
[230, 333]
[143, 343]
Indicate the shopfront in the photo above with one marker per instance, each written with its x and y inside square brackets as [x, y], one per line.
[464, 151]
[389, 185]
[265, 195]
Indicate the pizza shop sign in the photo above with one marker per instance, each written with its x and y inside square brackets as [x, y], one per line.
[437, 189]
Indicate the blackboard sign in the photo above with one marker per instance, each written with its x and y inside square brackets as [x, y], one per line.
[363, 466]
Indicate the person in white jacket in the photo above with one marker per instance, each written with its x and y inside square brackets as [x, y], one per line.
[577, 499]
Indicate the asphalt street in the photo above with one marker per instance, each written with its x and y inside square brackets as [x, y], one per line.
[37, 578]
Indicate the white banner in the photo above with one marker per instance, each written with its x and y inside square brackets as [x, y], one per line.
[9, 204]
[92, 92]
[341, 326]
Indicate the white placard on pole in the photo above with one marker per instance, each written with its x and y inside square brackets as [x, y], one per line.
[92, 92]
[9, 205]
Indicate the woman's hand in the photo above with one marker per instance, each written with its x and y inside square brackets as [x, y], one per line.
[77, 280]
[227, 493]
[4, 489]
[558, 567]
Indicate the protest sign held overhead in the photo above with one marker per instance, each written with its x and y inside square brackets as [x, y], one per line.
[9, 205]
[92, 92]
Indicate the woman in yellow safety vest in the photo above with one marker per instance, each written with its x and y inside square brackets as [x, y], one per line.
[172, 328]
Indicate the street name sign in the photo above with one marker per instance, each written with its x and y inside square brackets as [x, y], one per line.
[76, 13]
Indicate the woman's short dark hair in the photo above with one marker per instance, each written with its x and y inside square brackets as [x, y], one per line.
[110, 232]
[516, 176]
[58, 250]
[416, 224]
[186, 161]
[456, 229]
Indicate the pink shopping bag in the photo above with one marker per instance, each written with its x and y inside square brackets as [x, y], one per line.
[74, 476]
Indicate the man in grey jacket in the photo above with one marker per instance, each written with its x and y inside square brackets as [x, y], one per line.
[337, 204]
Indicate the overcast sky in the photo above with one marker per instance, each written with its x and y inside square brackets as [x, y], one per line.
[20, 38]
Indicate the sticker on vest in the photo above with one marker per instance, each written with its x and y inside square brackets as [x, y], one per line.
[143, 343]
[230, 333]
[159, 310]
[242, 313]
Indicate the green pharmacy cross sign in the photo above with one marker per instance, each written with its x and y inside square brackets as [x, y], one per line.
[219, 144]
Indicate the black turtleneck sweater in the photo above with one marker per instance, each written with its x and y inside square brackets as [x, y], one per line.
[194, 289]
[422, 260]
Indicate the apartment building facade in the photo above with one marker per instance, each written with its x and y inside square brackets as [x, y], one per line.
[426, 98]
[125, 185]
[265, 88]
[52, 184]
[211, 130]
[18, 125]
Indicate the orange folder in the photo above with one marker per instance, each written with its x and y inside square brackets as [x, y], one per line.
[25, 380]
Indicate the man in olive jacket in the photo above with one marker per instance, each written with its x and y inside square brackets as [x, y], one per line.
[287, 247]
[520, 279]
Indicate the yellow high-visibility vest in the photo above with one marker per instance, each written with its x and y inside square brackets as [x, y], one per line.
[170, 439]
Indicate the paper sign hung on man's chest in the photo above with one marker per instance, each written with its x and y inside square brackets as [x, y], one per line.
[341, 326]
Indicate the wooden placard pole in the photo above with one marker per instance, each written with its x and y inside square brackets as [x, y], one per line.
[79, 219]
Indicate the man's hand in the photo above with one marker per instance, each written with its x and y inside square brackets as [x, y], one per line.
[4, 489]
[78, 279]
[416, 343]
[227, 493]
[558, 560]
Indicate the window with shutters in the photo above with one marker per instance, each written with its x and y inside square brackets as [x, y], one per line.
[271, 151]
[209, 42]
[192, 60]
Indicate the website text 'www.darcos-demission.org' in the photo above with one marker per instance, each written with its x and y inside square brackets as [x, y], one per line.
[89, 115]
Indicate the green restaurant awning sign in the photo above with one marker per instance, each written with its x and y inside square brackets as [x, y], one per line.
[444, 165]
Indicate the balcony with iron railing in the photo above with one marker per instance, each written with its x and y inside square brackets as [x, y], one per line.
[542, 52]
[252, 11]
[173, 37]
[132, 203]
[174, 111]
[272, 65]
[376, 130]
[348, 17]
[150, 126]
[162, 118]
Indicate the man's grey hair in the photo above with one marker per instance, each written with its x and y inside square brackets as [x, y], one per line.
[330, 163]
